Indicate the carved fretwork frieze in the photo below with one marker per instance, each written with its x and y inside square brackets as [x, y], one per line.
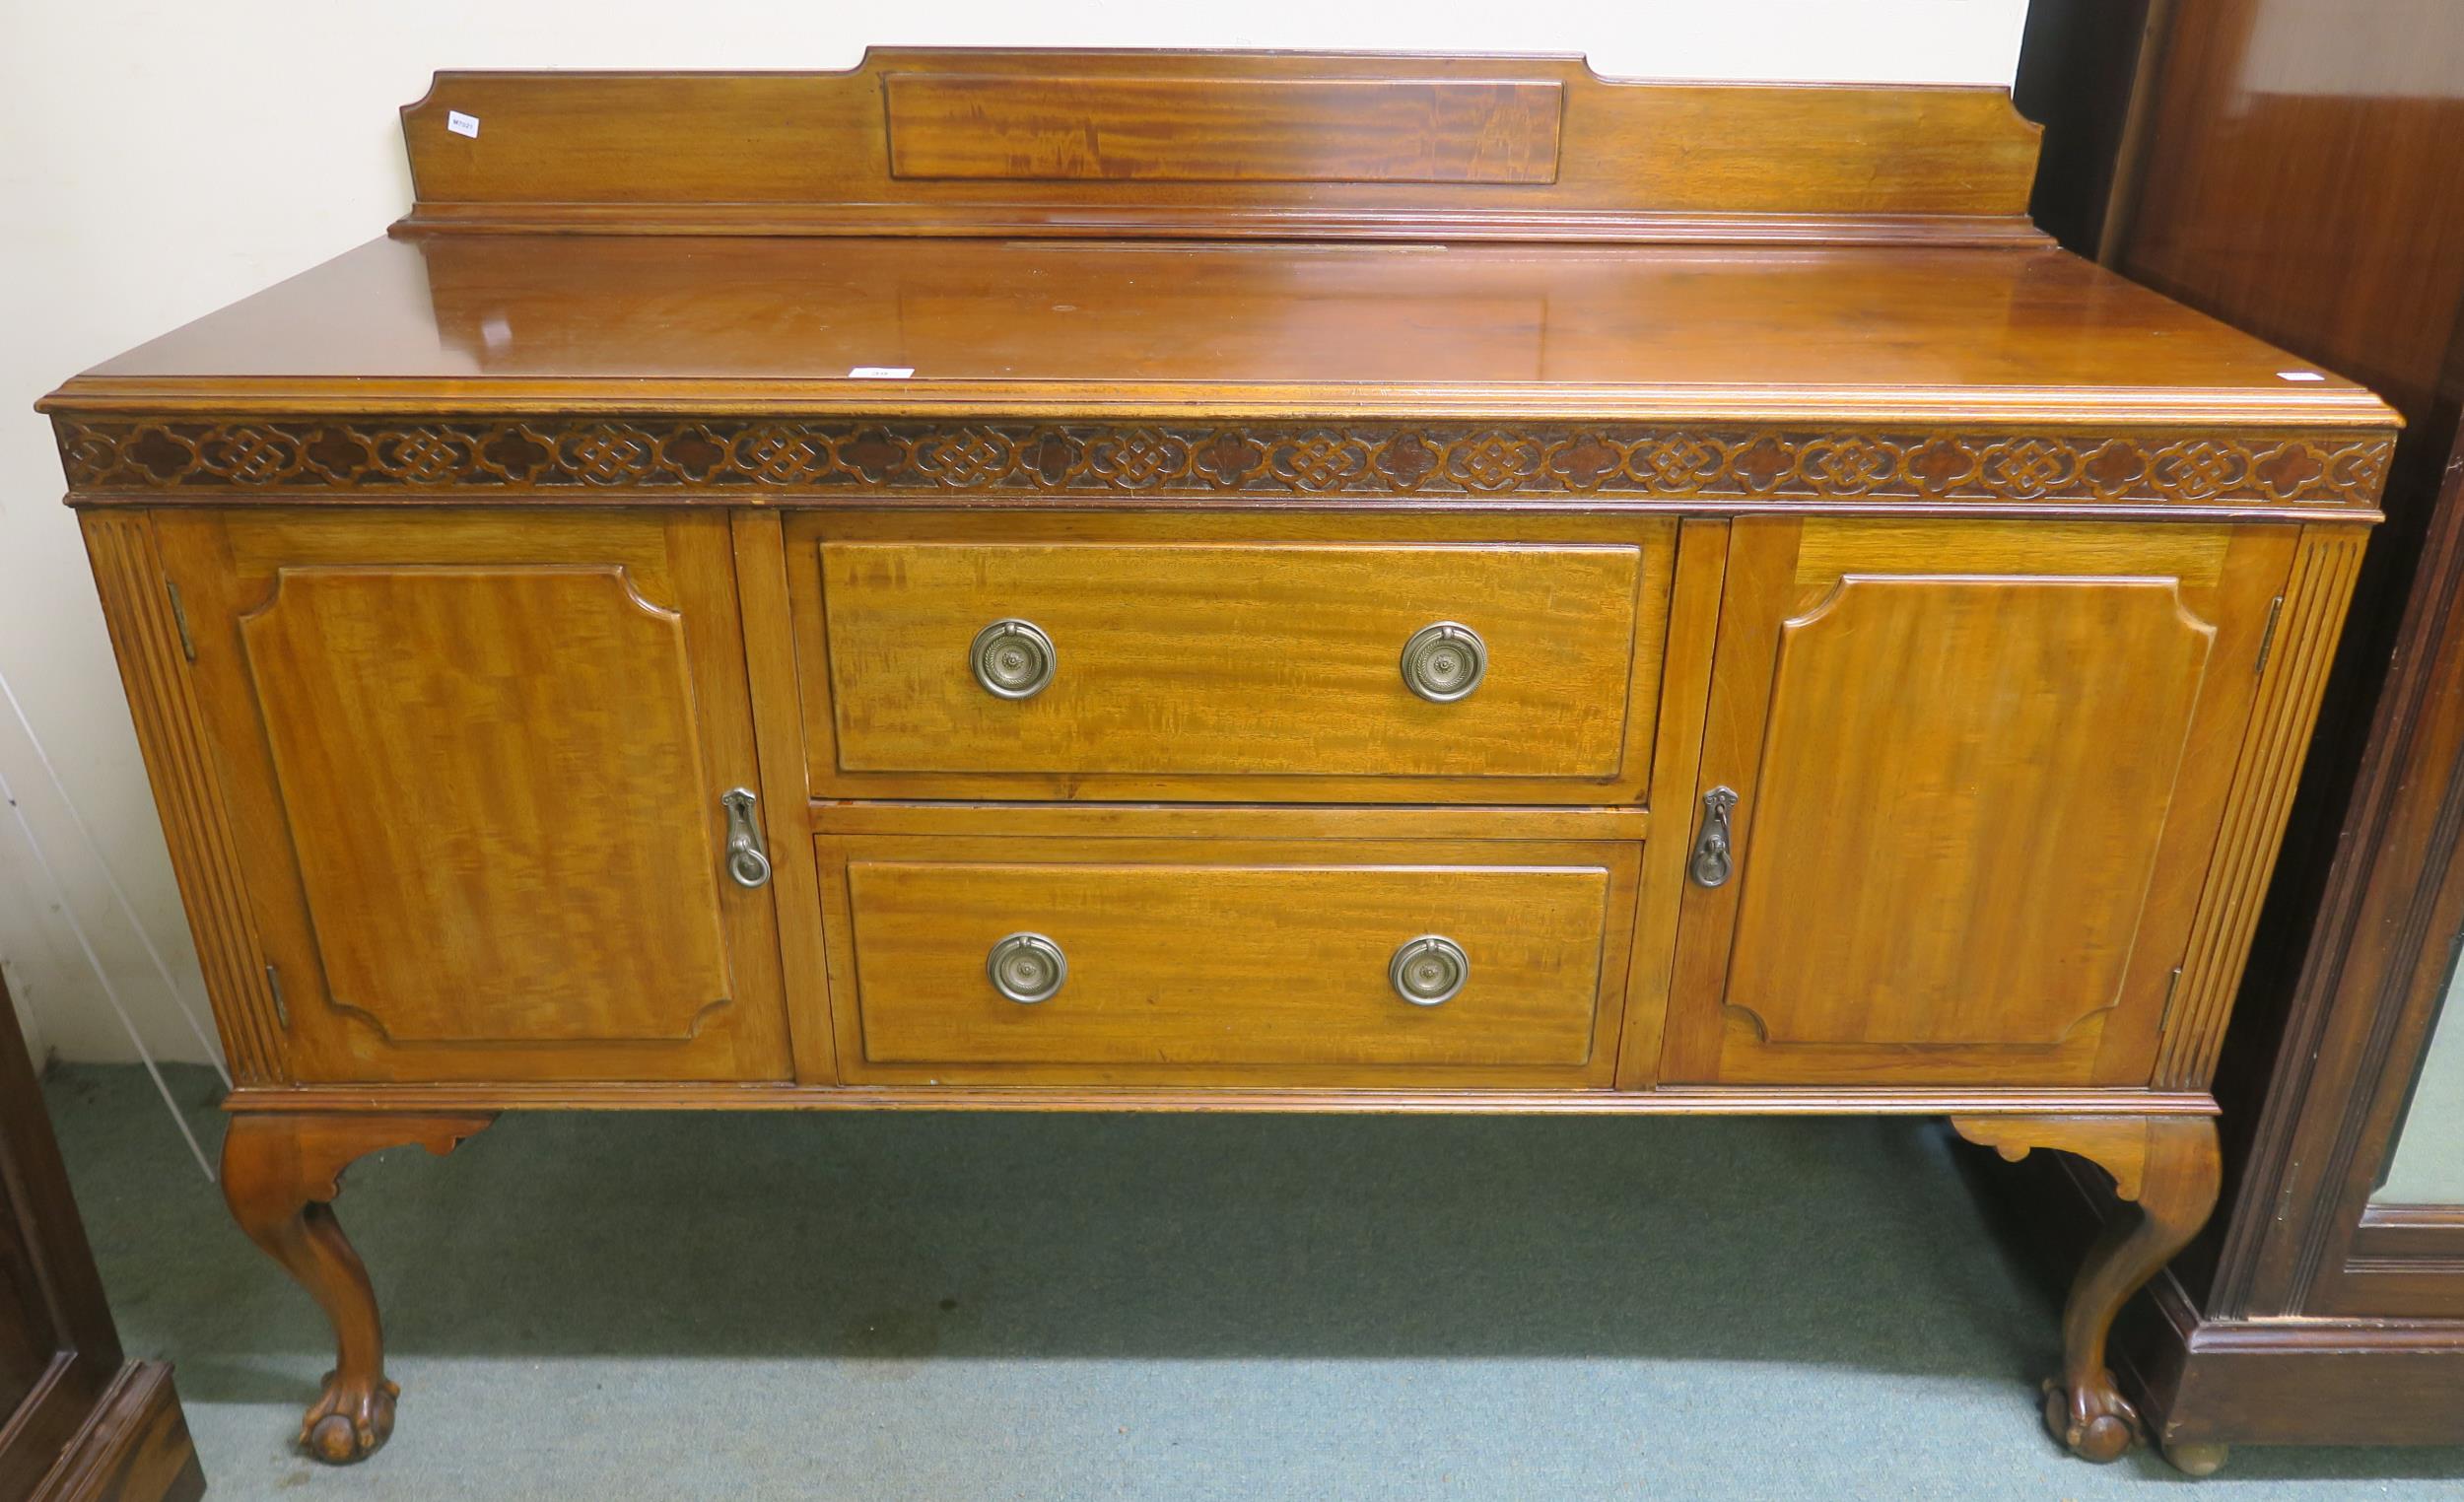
[1256, 459]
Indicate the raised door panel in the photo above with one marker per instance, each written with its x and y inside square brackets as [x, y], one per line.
[405, 707]
[1978, 771]
[483, 758]
[1925, 842]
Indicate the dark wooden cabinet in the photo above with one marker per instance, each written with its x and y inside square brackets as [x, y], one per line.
[2291, 167]
[78, 1423]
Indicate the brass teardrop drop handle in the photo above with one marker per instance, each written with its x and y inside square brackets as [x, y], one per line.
[1713, 861]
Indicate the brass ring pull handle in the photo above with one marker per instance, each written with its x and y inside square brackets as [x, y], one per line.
[1713, 861]
[1445, 662]
[747, 863]
[1428, 970]
[1027, 968]
[1013, 659]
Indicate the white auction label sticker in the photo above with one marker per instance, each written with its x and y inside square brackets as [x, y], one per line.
[881, 373]
[462, 124]
[2299, 375]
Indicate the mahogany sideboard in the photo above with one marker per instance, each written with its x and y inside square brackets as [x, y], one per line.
[1106, 580]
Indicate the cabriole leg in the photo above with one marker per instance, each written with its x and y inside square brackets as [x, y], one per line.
[281, 1172]
[2168, 1166]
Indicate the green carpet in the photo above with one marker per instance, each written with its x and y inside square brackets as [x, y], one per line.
[1183, 1308]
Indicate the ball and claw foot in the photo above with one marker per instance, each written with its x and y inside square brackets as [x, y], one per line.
[2095, 1422]
[349, 1422]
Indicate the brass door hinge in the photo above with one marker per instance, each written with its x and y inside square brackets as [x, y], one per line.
[2172, 984]
[2267, 637]
[282, 1009]
[179, 618]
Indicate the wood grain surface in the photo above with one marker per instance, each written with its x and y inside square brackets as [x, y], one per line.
[1223, 658]
[1199, 659]
[1227, 143]
[690, 429]
[1225, 962]
[1046, 127]
[476, 762]
[1961, 853]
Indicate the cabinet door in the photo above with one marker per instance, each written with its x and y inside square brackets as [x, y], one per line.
[475, 763]
[1978, 769]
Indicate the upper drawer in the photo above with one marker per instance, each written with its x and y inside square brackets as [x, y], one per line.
[1060, 668]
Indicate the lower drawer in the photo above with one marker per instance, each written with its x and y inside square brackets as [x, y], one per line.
[1299, 963]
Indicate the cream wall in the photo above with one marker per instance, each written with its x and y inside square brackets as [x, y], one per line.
[160, 159]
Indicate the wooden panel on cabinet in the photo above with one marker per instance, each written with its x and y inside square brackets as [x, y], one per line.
[1227, 962]
[399, 702]
[479, 770]
[1278, 145]
[1232, 658]
[1199, 659]
[1959, 853]
[787, 813]
[1040, 126]
[150, 635]
[1685, 687]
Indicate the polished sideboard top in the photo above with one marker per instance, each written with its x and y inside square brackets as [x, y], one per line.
[1312, 245]
[1402, 328]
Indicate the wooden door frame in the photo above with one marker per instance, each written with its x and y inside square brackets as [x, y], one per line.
[96, 1425]
[2366, 1004]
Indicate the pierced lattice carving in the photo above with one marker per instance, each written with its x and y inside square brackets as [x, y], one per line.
[1376, 459]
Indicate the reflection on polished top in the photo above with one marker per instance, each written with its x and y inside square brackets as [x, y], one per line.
[1067, 234]
[1406, 325]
